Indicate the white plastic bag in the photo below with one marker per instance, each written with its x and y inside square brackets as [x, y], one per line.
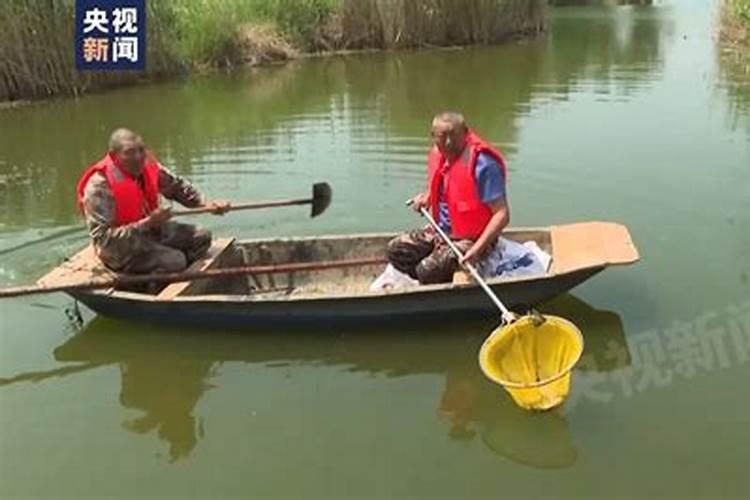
[511, 259]
[392, 279]
[508, 259]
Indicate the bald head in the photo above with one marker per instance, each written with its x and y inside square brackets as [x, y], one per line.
[128, 149]
[121, 136]
[455, 120]
[449, 133]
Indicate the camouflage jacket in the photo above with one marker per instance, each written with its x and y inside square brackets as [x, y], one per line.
[117, 245]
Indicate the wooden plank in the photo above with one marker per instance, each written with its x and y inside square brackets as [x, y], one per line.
[208, 261]
[591, 244]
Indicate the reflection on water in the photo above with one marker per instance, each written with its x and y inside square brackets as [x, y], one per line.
[542, 441]
[237, 135]
[735, 69]
[616, 54]
[164, 375]
[475, 408]
[605, 348]
[166, 391]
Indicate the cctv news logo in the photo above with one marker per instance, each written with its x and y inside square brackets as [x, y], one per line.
[110, 35]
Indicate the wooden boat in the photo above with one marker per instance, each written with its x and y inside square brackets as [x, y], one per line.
[579, 251]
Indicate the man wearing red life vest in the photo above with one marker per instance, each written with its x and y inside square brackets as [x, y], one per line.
[119, 197]
[466, 195]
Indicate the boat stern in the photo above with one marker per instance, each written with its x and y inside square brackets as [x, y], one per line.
[588, 245]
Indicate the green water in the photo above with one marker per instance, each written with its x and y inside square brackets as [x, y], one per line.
[628, 114]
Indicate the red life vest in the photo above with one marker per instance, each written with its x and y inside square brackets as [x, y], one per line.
[468, 214]
[132, 202]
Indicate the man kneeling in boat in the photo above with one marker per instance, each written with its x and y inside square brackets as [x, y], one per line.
[467, 197]
[119, 197]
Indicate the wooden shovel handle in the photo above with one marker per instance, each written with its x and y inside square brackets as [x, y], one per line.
[244, 206]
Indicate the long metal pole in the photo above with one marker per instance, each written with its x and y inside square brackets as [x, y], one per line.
[135, 279]
[508, 316]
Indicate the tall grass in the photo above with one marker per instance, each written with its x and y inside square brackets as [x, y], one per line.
[735, 54]
[36, 36]
[210, 32]
[302, 20]
[36, 50]
[610, 3]
[735, 25]
[413, 23]
[32, 57]
[742, 10]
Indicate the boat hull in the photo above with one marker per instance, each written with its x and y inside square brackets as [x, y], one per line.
[238, 312]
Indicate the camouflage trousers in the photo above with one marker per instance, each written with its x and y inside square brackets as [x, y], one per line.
[423, 255]
[174, 247]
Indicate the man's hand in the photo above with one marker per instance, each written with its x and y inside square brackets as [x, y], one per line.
[158, 217]
[219, 207]
[498, 222]
[422, 200]
[473, 254]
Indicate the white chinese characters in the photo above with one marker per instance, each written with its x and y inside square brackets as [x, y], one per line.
[125, 47]
[112, 37]
[95, 20]
[125, 20]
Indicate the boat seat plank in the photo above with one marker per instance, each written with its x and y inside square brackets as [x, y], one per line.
[208, 261]
[591, 244]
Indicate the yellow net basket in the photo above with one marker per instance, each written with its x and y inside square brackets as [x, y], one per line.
[533, 362]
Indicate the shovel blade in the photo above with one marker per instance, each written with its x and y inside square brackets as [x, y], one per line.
[322, 195]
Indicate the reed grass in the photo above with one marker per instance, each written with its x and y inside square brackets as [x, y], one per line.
[409, 23]
[36, 36]
[736, 21]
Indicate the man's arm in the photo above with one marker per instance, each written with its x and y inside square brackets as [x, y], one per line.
[174, 187]
[491, 187]
[498, 222]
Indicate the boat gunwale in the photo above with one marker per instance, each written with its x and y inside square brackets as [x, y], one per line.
[365, 294]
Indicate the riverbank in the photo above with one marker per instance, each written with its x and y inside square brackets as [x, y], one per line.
[188, 36]
[735, 54]
[735, 26]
